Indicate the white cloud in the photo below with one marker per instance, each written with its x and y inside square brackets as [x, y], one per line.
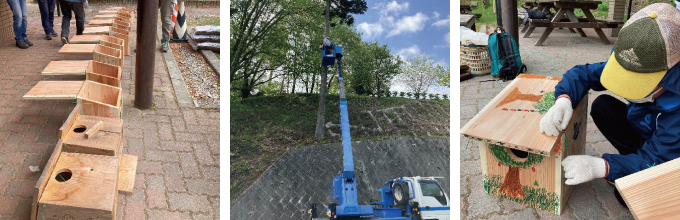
[370, 30]
[393, 7]
[408, 24]
[436, 15]
[442, 23]
[447, 38]
[405, 53]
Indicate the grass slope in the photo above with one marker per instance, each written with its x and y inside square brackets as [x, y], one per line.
[263, 128]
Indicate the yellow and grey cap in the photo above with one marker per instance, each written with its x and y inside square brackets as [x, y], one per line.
[648, 46]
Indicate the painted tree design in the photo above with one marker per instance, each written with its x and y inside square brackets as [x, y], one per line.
[511, 184]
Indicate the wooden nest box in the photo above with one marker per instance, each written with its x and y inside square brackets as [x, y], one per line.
[519, 162]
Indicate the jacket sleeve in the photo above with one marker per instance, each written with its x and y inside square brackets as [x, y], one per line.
[663, 146]
[578, 80]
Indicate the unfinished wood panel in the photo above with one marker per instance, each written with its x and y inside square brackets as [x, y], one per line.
[528, 176]
[104, 73]
[105, 142]
[108, 12]
[85, 39]
[108, 55]
[107, 22]
[97, 30]
[69, 67]
[63, 130]
[100, 100]
[89, 193]
[44, 178]
[113, 42]
[77, 49]
[116, 32]
[54, 90]
[126, 174]
[519, 127]
[653, 193]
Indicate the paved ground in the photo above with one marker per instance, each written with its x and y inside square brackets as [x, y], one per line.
[178, 148]
[302, 175]
[593, 200]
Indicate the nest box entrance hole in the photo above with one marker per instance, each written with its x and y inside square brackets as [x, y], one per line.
[79, 129]
[64, 175]
[517, 155]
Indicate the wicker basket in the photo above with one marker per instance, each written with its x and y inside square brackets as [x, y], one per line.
[477, 57]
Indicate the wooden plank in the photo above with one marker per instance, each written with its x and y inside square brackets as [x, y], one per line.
[93, 130]
[104, 73]
[653, 193]
[85, 39]
[107, 22]
[106, 142]
[77, 49]
[44, 178]
[119, 33]
[544, 36]
[126, 174]
[515, 128]
[573, 25]
[54, 90]
[69, 67]
[108, 12]
[66, 127]
[100, 100]
[89, 193]
[97, 30]
[585, 5]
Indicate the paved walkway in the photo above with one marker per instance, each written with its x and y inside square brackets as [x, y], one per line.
[593, 200]
[178, 148]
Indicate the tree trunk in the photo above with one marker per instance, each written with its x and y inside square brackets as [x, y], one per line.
[320, 116]
[511, 185]
[294, 82]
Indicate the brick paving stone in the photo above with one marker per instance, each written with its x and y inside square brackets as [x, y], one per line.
[202, 217]
[148, 167]
[481, 203]
[23, 210]
[21, 188]
[201, 186]
[211, 172]
[167, 215]
[8, 205]
[470, 168]
[601, 186]
[203, 154]
[173, 179]
[155, 192]
[164, 156]
[215, 201]
[613, 207]
[189, 165]
[188, 202]
[585, 204]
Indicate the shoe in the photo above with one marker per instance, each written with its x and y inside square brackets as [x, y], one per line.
[28, 42]
[54, 34]
[165, 47]
[48, 36]
[22, 44]
[64, 40]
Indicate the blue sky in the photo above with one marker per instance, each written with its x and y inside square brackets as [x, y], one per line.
[409, 27]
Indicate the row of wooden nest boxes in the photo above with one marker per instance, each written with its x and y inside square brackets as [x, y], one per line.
[87, 168]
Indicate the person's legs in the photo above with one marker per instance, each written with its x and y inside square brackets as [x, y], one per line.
[166, 19]
[50, 15]
[65, 19]
[79, 11]
[44, 16]
[15, 6]
[610, 117]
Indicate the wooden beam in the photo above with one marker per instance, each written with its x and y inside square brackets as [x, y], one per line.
[44, 178]
[94, 129]
[126, 174]
[85, 39]
[77, 49]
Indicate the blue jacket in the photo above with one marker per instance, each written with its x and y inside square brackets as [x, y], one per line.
[658, 122]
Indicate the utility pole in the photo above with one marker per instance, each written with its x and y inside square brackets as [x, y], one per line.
[509, 8]
[146, 52]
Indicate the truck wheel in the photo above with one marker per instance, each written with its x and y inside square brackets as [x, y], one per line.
[332, 208]
[400, 193]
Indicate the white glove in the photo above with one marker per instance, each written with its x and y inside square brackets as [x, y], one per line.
[583, 168]
[557, 118]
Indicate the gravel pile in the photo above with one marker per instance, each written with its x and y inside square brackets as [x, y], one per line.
[203, 83]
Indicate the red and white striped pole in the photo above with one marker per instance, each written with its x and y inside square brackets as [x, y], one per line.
[180, 33]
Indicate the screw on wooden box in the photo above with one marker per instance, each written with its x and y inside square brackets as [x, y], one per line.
[518, 162]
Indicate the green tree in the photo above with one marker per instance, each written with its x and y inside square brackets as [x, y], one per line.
[419, 74]
[444, 76]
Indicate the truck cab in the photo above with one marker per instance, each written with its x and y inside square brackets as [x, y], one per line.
[433, 203]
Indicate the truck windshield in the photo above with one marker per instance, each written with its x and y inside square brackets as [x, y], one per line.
[432, 194]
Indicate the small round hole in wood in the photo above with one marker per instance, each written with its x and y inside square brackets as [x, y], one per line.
[80, 129]
[64, 176]
[517, 155]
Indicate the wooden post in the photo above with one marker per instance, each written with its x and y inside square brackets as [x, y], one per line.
[509, 8]
[146, 53]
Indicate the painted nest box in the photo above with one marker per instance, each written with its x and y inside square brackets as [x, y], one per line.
[519, 162]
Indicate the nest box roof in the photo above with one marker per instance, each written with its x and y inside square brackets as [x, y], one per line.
[512, 118]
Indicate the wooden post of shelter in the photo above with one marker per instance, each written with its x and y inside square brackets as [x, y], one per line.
[146, 52]
[509, 8]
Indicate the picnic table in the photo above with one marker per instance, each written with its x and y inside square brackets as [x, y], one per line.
[468, 21]
[567, 8]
